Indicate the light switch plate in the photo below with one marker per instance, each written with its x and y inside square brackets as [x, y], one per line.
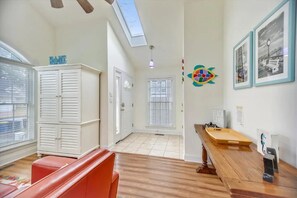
[239, 115]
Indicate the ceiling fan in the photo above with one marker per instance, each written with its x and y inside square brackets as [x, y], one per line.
[85, 4]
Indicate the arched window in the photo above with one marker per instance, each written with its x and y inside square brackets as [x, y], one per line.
[16, 98]
[8, 52]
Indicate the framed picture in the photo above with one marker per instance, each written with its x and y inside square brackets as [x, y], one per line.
[274, 46]
[242, 63]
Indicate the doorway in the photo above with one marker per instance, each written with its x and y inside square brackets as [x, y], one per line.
[123, 105]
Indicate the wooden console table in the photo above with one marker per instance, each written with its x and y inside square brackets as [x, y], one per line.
[241, 169]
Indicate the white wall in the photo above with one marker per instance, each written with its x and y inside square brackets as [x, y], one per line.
[140, 116]
[169, 43]
[117, 59]
[84, 43]
[203, 45]
[22, 28]
[26, 31]
[272, 108]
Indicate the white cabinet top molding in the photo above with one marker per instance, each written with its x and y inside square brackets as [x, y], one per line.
[66, 66]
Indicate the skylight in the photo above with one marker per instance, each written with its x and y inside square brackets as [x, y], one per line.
[127, 14]
[131, 17]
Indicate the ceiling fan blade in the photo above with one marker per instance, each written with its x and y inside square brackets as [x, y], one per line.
[88, 8]
[57, 3]
[109, 1]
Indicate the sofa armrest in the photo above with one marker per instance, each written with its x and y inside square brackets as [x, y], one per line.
[6, 189]
[114, 185]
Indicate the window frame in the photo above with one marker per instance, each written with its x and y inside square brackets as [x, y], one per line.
[134, 41]
[173, 112]
[30, 103]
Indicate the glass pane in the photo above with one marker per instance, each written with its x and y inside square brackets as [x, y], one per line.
[5, 83]
[6, 112]
[13, 84]
[117, 107]
[6, 54]
[20, 85]
[20, 111]
[130, 14]
[13, 124]
[6, 124]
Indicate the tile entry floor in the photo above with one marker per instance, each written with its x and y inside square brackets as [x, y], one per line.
[170, 146]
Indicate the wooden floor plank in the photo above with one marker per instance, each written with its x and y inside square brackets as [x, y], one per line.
[149, 177]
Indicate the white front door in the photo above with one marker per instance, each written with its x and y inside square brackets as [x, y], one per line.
[127, 105]
[117, 106]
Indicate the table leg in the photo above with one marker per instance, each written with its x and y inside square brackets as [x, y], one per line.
[204, 167]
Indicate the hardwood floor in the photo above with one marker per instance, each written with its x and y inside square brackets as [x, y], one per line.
[147, 176]
[20, 168]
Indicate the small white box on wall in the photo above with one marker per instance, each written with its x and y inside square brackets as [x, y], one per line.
[239, 115]
[264, 140]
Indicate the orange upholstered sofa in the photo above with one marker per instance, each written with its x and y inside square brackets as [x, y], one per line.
[90, 176]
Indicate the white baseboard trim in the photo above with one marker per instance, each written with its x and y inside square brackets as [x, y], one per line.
[159, 131]
[192, 158]
[12, 155]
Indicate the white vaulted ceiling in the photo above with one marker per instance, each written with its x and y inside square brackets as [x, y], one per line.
[162, 21]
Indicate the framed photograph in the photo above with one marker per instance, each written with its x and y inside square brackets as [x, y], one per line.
[265, 139]
[242, 63]
[274, 46]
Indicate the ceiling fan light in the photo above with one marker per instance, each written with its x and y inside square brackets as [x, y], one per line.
[88, 8]
[57, 3]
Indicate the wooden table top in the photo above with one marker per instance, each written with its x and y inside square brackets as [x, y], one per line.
[241, 169]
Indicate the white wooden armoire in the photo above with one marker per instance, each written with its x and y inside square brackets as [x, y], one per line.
[68, 109]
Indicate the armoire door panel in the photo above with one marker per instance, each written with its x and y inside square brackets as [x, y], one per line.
[70, 104]
[48, 90]
[48, 83]
[69, 139]
[48, 137]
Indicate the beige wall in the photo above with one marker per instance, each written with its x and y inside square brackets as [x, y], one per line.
[272, 108]
[203, 45]
[22, 28]
[168, 41]
[84, 43]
